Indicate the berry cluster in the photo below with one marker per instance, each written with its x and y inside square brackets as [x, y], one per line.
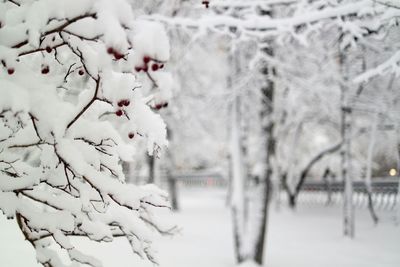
[124, 102]
[45, 68]
[145, 67]
[121, 104]
[117, 55]
[148, 63]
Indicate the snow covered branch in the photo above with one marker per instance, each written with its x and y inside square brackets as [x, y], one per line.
[392, 65]
[71, 109]
[251, 22]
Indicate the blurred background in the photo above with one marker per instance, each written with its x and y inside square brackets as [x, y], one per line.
[284, 138]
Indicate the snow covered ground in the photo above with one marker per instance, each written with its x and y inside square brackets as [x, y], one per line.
[309, 237]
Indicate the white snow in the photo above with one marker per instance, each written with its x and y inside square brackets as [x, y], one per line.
[309, 237]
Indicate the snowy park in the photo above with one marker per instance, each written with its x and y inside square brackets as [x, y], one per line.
[220, 133]
[308, 237]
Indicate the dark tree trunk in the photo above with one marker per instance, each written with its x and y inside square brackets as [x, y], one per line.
[237, 236]
[230, 183]
[368, 173]
[268, 125]
[151, 166]
[260, 245]
[346, 121]
[328, 189]
[237, 166]
[173, 192]
[348, 205]
[292, 201]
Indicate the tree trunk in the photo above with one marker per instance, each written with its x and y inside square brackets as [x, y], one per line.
[268, 125]
[260, 241]
[328, 189]
[368, 174]
[289, 175]
[237, 183]
[151, 166]
[237, 234]
[346, 113]
[348, 205]
[228, 200]
[173, 191]
[237, 186]
[240, 224]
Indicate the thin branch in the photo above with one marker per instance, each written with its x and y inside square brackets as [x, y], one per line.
[69, 72]
[120, 204]
[14, 2]
[59, 28]
[44, 202]
[154, 205]
[33, 119]
[87, 105]
[30, 145]
[40, 49]
[113, 173]
[387, 4]
[94, 39]
[171, 231]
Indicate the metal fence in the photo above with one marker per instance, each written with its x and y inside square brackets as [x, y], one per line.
[201, 180]
[384, 190]
[384, 193]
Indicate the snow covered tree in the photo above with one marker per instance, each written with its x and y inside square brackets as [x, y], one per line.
[278, 26]
[72, 106]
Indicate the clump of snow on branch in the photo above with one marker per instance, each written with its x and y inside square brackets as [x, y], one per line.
[71, 109]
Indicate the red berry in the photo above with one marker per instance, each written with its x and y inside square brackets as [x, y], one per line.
[110, 50]
[138, 69]
[48, 49]
[158, 106]
[45, 70]
[119, 113]
[206, 3]
[118, 56]
[81, 72]
[120, 103]
[146, 59]
[154, 67]
[131, 135]
[145, 68]
[126, 102]
[10, 71]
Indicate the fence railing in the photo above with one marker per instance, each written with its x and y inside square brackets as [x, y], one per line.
[384, 193]
[384, 190]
